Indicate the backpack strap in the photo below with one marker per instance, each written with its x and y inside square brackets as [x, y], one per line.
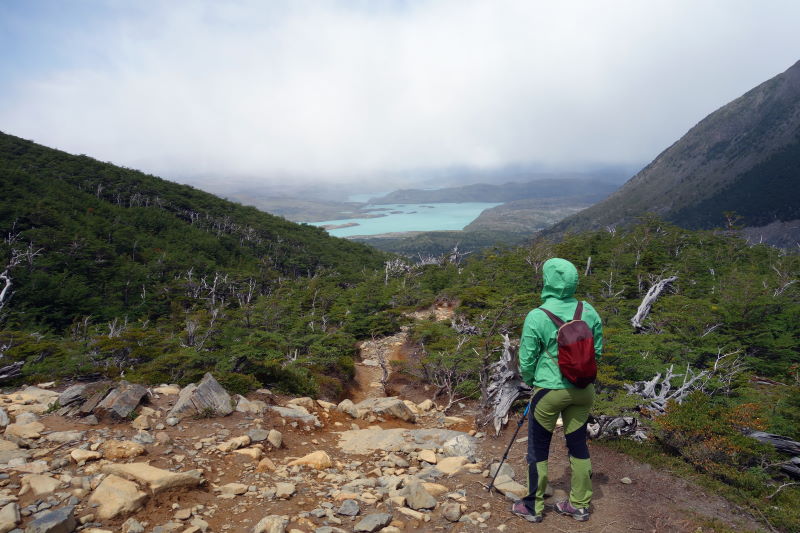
[557, 321]
[578, 311]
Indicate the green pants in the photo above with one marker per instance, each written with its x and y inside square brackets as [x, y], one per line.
[573, 405]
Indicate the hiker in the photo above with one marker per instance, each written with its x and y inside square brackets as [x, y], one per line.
[554, 394]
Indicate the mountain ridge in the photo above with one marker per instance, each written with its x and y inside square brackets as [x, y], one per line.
[720, 164]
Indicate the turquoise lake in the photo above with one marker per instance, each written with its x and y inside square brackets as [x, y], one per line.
[411, 217]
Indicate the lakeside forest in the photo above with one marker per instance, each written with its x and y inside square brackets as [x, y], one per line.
[110, 272]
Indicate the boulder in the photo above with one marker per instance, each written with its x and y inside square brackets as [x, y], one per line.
[417, 497]
[38, 485]
[297, 413]
[429, 456]
[364, 441]
[275, 438]
[83, 397]
[56, 521]
[254, 407]
[31, 430]
[451, 465]
[234, 444]
[373, 522]
[4, 420]
[272, 524]
[253, 453]
[284, 490]
[229, 490]
[305, 401]
[116, 496]
[81, 456]
[318, 459]
[9, 517]
[121, 449]
[390, 406]
[121, 401]
[157, 479]
[167, 390]
[141, 422]
[207, 398]
[451, 511]
[349, 508]
[64, 436]
[426, 405]
[460, 444]
[348, 407]
[510, 488]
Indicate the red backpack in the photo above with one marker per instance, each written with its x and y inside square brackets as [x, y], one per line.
[576, 357]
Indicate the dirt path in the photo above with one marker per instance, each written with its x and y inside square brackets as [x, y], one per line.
[369, 373]
[653, 502]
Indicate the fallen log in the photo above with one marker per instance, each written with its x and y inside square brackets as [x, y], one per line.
[9, 372]
[779, 442]
[649, 299]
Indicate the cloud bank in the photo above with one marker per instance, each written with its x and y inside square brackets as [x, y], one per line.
[346, 90]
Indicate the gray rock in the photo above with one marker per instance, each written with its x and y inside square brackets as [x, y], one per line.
[349, 508]
[390, 406]
[460, 446]
[271, 524]
[258, 434]
[76, 395]
[57, 521]
[143, 437]
[206, 398]
[121, 401]
[329, 529]
[132, 525]
[4, 420]
[373, 522]
[275, 438]
[348, 407]
[364, 441]
[506, 469]
[451, 511]
[172, 421]
[297, 414]
[417, 497]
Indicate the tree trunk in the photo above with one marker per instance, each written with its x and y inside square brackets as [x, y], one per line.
[505, 386]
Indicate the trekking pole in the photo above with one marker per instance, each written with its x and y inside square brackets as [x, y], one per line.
[510, 444]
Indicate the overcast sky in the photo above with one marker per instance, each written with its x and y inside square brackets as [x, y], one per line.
[345, 89]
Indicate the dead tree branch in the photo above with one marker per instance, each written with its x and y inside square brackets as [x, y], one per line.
[649, 299]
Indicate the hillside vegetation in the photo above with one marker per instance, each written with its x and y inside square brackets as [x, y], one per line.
[118, 273]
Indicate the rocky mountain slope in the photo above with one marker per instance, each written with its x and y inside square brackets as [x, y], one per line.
[744, 157]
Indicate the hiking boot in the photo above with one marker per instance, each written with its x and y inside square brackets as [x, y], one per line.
[522, 511]
[566, 508]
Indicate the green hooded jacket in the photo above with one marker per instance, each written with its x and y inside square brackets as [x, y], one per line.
[538, 369]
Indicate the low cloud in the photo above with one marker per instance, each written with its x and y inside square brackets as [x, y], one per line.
[344, 90]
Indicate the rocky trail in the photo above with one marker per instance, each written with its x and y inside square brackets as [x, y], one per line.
[108, 457]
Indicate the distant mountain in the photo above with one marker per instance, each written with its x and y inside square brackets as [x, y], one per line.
[743, 158]
[586, 190]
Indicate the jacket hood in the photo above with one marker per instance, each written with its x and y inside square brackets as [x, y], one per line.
[560, 279]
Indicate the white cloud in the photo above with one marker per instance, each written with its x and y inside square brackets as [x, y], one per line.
[342, 89]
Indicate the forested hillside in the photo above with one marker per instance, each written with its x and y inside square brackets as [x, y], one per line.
[108, 272]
